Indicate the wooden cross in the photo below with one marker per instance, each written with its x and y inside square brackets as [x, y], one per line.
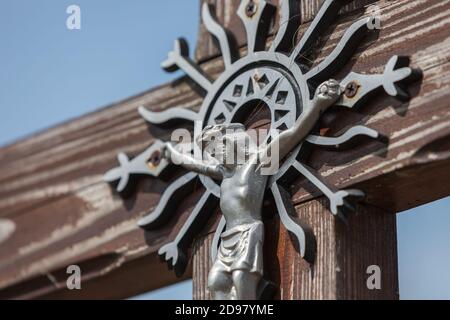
[56, 211]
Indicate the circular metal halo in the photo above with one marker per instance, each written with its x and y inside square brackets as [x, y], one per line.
[272, 65]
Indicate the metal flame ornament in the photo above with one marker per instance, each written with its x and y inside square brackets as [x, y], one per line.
[293, 93]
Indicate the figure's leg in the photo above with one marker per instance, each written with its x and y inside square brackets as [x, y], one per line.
[220, 284]
[246, 284]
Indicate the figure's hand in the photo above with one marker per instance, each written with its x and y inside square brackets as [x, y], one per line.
[327, 94]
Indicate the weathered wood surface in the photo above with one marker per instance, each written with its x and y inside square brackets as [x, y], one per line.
[51, 188]
[225, 11]
[344, 252]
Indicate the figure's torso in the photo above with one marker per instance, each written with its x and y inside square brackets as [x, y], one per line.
[242, 195]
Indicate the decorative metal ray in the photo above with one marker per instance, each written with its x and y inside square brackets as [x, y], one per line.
[286, 212]
[276, 78]
[167, 115]
[326, 15]
[256, 16]
[179, 59]
[227, 45]
[289, 21]
[179, 189]
[364, 84]
[175, 252]
[342, 52]
[143, 164]
[337, 199]
[347, 136]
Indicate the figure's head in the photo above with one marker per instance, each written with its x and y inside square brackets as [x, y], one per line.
[223, 141]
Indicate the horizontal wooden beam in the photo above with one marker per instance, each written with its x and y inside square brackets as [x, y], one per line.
[104, 277]
[52, 193]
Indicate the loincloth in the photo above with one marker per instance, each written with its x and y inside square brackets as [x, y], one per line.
[241, 249]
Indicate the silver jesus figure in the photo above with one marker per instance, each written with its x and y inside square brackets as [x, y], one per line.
[238, 268]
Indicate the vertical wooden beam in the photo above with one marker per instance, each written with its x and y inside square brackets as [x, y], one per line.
[344, 252]
[201, 262]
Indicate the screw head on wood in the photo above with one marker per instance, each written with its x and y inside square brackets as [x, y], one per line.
[155, 159]
[351, 89]
[251, 8]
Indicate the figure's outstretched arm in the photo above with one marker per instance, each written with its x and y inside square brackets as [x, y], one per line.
[190, 163]
[325, 96]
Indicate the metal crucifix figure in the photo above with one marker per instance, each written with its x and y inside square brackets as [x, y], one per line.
[296, 94]
[238, 268]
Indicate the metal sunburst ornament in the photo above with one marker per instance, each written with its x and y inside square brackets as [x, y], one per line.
[296, 96]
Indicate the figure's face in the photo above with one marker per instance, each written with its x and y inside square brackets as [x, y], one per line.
[226, 143]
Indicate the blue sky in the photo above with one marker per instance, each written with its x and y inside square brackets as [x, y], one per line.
[49, 74]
